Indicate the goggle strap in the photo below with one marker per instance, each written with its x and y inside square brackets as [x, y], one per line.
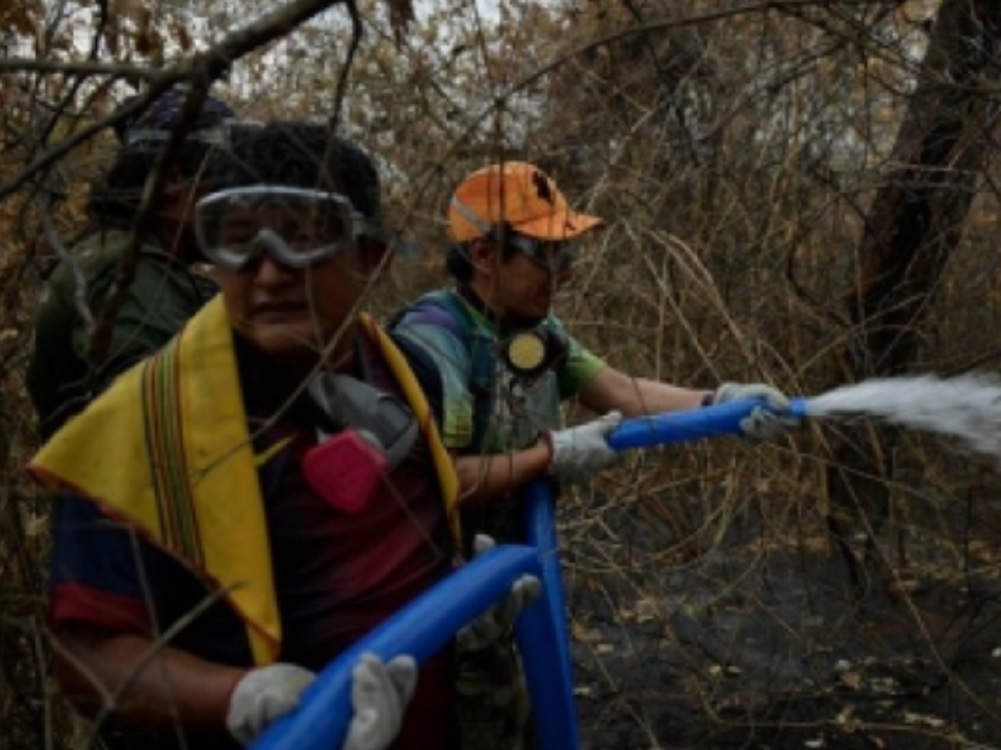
[211, 136]
[467, 213]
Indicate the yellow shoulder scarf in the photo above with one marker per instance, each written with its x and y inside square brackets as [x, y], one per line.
[167, 448]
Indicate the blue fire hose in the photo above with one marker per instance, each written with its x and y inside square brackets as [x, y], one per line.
[420, 629]
[547, 664]
[697, 424]
[427, 624]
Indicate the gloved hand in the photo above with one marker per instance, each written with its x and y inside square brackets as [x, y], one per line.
[762, 423]
[582, 451]
[263, 695]
[379, 694]
[497, 621]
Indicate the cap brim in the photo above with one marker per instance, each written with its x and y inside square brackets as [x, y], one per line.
[559, 226]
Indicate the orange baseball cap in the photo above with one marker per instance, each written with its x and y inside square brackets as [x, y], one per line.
[519, 194]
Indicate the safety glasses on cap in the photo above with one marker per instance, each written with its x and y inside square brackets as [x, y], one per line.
[552, 255]
[298, 227]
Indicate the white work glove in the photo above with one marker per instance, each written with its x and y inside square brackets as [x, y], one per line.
[497, 621]
[379, 694]
[263, 695]
[582, 451]
[762, 423]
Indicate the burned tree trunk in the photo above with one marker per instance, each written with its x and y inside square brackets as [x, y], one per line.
[912, 227]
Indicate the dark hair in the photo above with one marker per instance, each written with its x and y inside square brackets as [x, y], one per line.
[115, 201]
[296, 154]
[457, 258]
[457, 262]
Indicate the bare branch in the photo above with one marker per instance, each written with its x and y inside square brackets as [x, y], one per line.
[209, 65]
[81, 68]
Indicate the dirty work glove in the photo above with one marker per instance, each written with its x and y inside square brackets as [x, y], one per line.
[263, 695]
[763, 423]
[497, 621]
[582, 451]
[379, 695]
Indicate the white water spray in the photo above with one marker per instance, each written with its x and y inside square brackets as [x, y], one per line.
[967, 407]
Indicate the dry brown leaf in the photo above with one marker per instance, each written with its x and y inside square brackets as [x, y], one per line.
[401, 13]
[934, 722]
[851, 680]
[580, 632]
[131, 9]
[17, 15]
[111, 33]
[181, 35]
[36, 526]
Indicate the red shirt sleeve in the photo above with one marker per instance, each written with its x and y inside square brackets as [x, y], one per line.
[103, 572]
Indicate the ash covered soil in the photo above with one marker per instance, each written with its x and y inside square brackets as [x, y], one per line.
[766, 645]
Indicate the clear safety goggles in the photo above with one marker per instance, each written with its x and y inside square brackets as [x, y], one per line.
[298, 227]
[552, 255]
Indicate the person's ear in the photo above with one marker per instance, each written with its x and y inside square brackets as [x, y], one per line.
[483, 256]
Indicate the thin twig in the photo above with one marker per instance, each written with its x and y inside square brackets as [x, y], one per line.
[79, 280]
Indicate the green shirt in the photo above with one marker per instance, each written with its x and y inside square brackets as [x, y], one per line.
[517, 411]
[163, 295]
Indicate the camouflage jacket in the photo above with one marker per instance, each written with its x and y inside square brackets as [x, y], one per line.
[163, 295]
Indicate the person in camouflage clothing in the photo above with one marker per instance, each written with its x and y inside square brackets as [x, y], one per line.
[165, 291]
